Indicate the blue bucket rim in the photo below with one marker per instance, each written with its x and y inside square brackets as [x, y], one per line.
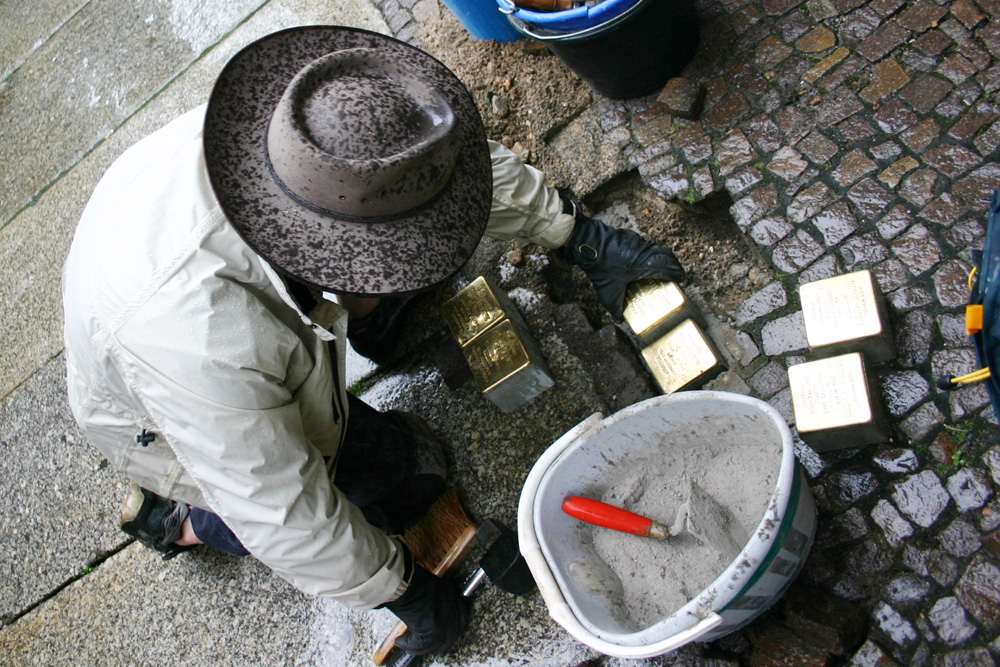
[569, 19]
[547, 35]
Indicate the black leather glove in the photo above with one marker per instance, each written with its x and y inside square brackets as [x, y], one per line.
[612, 258]
[434, 611]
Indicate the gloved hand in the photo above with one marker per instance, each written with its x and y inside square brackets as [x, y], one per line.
[612, 258]
[434, 611]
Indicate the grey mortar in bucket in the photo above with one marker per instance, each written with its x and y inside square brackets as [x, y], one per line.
[652, 578]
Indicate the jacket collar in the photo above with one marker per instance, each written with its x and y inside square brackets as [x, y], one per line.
[321, 312]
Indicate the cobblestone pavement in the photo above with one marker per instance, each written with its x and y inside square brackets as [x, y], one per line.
[853, 135]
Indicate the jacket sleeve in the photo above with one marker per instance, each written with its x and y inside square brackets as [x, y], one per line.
[523, 205]
[217, 372]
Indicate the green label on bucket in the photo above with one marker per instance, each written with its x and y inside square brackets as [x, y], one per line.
[784, 531]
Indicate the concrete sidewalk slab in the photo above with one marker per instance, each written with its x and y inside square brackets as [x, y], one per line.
[58, 496]
[26, 26]
[137, 610]
[205, 608]
[84, 88]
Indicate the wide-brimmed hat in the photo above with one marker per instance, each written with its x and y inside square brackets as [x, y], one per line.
[350, 161]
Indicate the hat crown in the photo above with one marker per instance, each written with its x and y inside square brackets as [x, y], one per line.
[357, 135]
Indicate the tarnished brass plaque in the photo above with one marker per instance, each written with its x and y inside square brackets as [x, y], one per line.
[847, 313]
[652, 306]
[507, 365]
[474, 310]
[682, 358]
[833, 403]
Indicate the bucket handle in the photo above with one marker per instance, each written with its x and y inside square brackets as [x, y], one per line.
[507, 6]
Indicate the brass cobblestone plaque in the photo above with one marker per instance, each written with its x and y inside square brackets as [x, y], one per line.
[654, 307]
[834, 405]
[476, 308]
[507, 365]
[847, 313]
[682, 359]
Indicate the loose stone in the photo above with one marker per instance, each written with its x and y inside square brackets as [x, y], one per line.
[979, 592]
[871, 198]
[852, 486]
[960, 539]
[894, 527]
[895, 626]
[917, 249]
[762, 303]
[923, 420]
[769, 231]
[902, 391]
[906, 591]
[897, 461]
[921, 498]
[835, 223]
[969, 488]
[950, 621]
[870, 655]
[894, 222]
[784, 334]
[797, 252]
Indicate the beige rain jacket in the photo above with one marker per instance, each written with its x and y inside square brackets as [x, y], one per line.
[175, 326]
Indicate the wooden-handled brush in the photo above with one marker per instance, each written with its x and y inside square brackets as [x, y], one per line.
[439, 542]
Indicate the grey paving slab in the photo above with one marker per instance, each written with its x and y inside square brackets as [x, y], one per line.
[31, 257]
[138, 610]
[58, 496]
[490, 453]
[27, 25]
[207, 608]
[34, 246]
[83, 88]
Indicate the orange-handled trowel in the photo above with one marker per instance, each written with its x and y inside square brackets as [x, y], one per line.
[608, 516]
[700, 516]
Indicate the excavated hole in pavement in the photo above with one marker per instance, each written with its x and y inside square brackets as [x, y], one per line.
[721, 262]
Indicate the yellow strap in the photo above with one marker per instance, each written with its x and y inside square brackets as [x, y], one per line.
[974, 376]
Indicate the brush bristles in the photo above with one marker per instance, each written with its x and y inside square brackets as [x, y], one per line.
[431, 537]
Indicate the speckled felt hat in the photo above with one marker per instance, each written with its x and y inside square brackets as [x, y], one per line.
[351, 161]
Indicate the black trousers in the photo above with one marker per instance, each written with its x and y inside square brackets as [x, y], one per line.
[374, 470]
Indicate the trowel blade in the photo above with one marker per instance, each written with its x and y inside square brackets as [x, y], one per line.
[712, 524]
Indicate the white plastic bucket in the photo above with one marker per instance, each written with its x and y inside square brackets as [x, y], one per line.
[586, 454]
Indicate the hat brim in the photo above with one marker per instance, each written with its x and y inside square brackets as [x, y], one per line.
[407, 254]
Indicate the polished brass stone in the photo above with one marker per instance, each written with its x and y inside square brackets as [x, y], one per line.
[507, 365]
[834, 403]
[503, 357]
[682, 359]
[475, 309]
[654, 307]
[847, 313]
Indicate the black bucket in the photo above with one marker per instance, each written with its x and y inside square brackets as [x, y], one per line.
[633, 53]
